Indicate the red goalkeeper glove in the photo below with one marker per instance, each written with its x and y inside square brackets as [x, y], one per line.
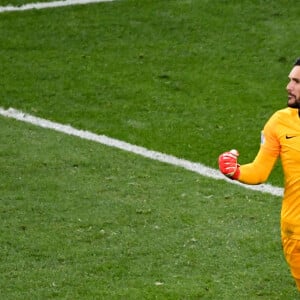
[228, 164]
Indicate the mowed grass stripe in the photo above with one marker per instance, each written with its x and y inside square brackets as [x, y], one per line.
[154, 155]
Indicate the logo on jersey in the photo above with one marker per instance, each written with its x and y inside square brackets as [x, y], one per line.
[289, 136]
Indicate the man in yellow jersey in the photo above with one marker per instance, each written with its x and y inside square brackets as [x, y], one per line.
[280, 137]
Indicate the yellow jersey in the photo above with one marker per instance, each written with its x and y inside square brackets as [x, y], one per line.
[280, 137]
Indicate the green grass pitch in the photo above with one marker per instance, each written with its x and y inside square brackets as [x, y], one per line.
[188, 78]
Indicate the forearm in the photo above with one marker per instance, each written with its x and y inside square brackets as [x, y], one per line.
[259, 170]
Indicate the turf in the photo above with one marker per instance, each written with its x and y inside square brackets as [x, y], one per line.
[187, 78]
[82, 222]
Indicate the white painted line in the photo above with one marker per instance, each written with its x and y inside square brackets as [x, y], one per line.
[105, 140]
[53, 4]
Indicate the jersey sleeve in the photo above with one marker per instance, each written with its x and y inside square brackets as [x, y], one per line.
[259, 170]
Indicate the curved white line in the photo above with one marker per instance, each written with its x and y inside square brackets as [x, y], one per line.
[105, 140]
[53, 4]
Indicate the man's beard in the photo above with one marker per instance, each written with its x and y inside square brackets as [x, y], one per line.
[295, 104]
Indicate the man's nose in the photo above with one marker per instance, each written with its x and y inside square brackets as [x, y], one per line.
[289, 86]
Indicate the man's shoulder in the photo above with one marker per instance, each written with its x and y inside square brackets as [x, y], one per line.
[278, 117]
[285, 112]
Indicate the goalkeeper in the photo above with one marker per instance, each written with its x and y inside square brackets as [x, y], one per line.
[280, 137]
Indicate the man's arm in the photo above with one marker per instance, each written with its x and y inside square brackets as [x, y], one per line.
[255, 172]
[259, 170]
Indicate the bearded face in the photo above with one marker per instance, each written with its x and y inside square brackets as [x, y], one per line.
[293, 88]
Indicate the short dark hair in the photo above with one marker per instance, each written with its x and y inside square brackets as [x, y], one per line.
[297, 62]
